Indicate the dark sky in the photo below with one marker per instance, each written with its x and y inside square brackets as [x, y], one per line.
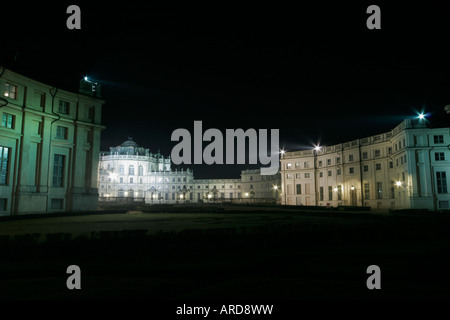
[316, 73]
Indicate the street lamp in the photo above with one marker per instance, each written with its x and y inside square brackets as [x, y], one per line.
[398, 183]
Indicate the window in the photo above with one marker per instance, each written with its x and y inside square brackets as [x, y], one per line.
[251, 178]
[231, 195]
[288, 165]
[121, 169]
[251, 186]
[131, 170]
[350, 157]
[338, 160]
[141, 170]
[306, 164]
[121, 193]
[307, 175]
[330, 193]
[442, 204]
[439, 156]
[63, 107]
[3, 203]
[121, 180]
[377, 166]
[321, 193]
[320, 163]
[351, 170]
[366, 191]
[4, 157]
[364, 155]
[338, 171]
[222, 195]
[379, 190]
[339, 192]
[91, 113]
[389, 150]
[298, 176]
[365, 168]
[57, 204]
[320, 174]
[131, 180]
[329, 162]
[289, 176]
[330, 173]
[299, 189]
[391, 164]
[61, 132]
[377, 153]
[439, 139]
[8, 120]
[40, 98]
[10, 91]
[441, 178]
[58, 170]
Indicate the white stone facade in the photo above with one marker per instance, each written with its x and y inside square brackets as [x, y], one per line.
[49, 147]
[407, 167]
[130, 173]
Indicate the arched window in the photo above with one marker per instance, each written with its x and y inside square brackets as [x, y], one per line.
[131, 170]
[121, 169]
[141, 170]
[120, 193]
[131, 193]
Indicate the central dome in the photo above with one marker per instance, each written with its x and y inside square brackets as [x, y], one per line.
[129, 143]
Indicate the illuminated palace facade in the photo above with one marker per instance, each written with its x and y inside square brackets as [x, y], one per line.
[131, 173]
[49, 146]
[407, 167]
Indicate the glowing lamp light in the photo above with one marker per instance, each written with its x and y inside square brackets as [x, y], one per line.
[6, 94]
[335, 189]
[421, 116]
[181, 196]
[85, 78]
[155, 196]
[352, 188]
[398, 183]
[317, 148]
[246, 194]
[209, 196]
[275, 187]
[282, 151]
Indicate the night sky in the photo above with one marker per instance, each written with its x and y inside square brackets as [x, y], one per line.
[316, 73]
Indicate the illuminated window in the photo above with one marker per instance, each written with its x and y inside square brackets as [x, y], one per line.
[4, 158]
[8, 120]
[10, 91]
[339, 192]
[379, 190]
[366, 191]
[58, 170]
[63, 107]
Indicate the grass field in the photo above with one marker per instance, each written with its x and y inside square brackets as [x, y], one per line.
[240, 253]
